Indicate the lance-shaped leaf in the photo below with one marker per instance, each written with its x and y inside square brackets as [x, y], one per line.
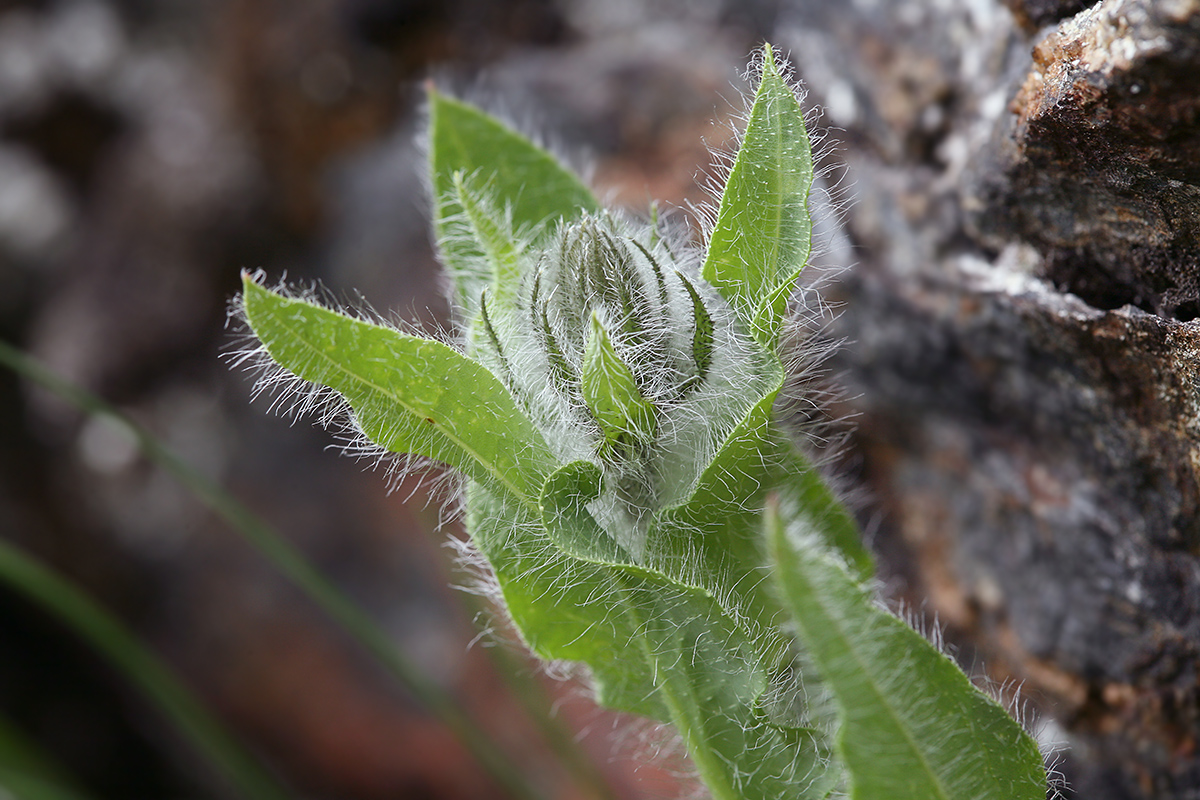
[523, 178]
[763, 233]
[913, 727]
[409, 394]
[625, 417]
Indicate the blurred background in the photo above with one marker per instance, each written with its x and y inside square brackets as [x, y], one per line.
[152, 149]
[149, 151]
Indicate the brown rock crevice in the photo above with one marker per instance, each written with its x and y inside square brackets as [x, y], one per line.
[1099, 164]
[1036, 458]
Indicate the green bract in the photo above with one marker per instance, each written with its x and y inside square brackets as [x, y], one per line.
[612, 411]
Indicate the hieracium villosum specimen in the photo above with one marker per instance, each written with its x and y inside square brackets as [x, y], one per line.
[610, 403]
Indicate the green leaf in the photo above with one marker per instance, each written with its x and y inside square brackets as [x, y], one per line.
[534, 188]
[567, 521]
[763, 233]
[711, 680]
[626, 419]
[556, 600]
[492, 231]
[28, 773]
[653, 645]
[409, 394]
[913, 727]
[713, 540]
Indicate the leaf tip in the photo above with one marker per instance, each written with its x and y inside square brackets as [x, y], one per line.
[253, 278]
[768, 56]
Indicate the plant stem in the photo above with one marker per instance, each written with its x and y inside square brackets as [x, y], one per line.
[708, 763]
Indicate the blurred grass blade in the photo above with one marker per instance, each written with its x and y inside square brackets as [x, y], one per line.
[27, 773]
[18, 785]
[343, 611]
[139, 665]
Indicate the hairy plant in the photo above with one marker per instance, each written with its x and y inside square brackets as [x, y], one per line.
[611, 405]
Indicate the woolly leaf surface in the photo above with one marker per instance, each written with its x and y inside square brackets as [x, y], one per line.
[409, 394]
[712, 540]
[556, 602]
[653, 645]
[763, 233]
[710, 679]
[491, 230]
[566, 518]
[523, 178]
[913, 727]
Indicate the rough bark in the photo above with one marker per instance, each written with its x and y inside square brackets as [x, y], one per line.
[1099, 163]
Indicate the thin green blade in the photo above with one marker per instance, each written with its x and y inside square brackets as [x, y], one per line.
[144, 670]
[409, 394]
[913, 727]
[763, 233]
[28, 773]
[18, 785]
